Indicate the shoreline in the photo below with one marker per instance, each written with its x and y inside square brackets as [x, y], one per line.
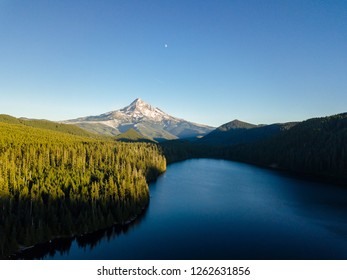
[56, 239]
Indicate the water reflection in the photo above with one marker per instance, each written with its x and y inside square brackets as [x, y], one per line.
[62, 246]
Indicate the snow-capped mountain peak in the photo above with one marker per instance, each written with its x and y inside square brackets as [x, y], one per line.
[146, 119]
[138, 103]
[139, 109]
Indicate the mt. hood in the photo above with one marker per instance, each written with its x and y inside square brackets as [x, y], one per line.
[151, 122]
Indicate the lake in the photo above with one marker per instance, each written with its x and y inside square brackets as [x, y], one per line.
[217, 209]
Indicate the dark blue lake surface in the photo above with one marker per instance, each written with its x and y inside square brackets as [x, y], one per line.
[216, 209]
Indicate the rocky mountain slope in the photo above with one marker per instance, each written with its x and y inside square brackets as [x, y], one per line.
[149, 121]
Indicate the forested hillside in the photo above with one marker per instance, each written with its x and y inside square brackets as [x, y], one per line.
[45, 124]
[57, 184]
[315, 147]
[131, 135]
[231, 134]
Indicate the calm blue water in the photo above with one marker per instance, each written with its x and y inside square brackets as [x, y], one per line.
[216, 209]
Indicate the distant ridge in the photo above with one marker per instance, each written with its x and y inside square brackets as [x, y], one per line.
[316, 148]
[235, 124]
[48, 125]
[238, 132]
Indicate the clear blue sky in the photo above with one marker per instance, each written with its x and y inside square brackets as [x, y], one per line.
[204, 61]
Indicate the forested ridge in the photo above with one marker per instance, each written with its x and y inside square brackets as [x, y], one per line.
[54, 183]
[316, 147]
[49, 125]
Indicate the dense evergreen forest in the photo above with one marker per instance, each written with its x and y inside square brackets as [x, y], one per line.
[55, 181]
[315, 147]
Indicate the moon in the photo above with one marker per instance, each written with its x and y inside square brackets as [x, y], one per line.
[165, 45]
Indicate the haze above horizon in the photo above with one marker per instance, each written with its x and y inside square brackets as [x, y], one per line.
[207, 62]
